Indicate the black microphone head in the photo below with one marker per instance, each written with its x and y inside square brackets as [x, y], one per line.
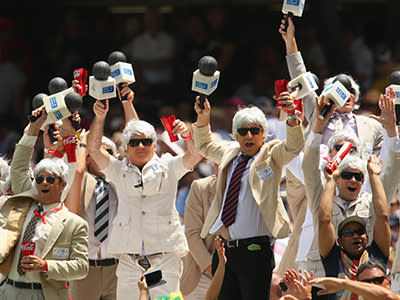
[394, 78]
[37, 101]
[101, 70]
[115, 57]
[345, 80]
[207, 65]
[57, 84]
[316, 79]
[73, 101]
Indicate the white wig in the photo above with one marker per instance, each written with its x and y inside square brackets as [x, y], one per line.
[249, 115]
[353, 162]
[137, 127]
[105, 140]
[354, 85]
[55, 166]
[343, 135]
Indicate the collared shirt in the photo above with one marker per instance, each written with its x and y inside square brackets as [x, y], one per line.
[249, 220]
[97, 249]
[42, 231]
[349, 122]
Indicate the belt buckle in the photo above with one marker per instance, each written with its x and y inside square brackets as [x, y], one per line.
[232, 243]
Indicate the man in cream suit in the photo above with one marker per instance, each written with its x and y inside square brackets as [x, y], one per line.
[38, 216]
[196, 276]
[247, 211]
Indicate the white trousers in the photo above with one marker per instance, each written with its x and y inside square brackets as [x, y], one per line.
[8, 292]
[129, 271]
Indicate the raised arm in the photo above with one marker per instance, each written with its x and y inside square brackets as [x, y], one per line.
[288, 36]
[129, 109]
[94, 148]
[326, 231]
[381, 227]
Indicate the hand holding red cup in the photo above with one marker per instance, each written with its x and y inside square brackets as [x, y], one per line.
[168, 123]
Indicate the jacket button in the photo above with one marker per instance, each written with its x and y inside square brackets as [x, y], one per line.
[143, 212]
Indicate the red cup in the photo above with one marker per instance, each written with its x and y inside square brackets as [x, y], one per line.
[280, 86]
[81, 75]
[28, 248]
[168, 122]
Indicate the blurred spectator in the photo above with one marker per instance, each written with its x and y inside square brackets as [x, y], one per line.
[230, 107]
[384, 66]
[152, 53]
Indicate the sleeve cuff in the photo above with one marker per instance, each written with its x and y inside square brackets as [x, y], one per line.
[314, 140]
[28, 140]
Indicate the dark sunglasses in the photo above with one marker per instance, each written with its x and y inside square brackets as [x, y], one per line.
[110, 151]
[375, 280]
[351, 232]
[349, 175]
[136, 142]
[49, 179]
[253, 130]
[338, 147]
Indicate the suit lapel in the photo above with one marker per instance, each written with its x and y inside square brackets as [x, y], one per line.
[55, 232]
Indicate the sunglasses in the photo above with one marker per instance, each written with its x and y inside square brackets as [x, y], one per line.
[375, 280]
[338, 147]
[351, 232]
[253, 130]
[136, 142]
[349, 175]
[49, 179]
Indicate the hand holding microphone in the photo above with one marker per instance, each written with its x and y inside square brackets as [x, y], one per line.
[121, 71]
[205, 78]
[292, 8]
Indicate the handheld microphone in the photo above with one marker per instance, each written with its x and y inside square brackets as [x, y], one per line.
[337, 93]
[394, 83]
[339, 157]
[56, 85]
[205, 78]
[121, 71]
[101, 84]
[292, 8]
[306, 83]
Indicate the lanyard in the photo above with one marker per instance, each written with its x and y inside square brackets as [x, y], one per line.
[44, 213]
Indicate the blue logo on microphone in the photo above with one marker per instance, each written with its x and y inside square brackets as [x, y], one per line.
[128, 71]
[201, 85]
[53, 102]
[58, 115]
[115, 73]
[310, 82]
[293, 2]
[341, 93]
[214, 83]
[108, 89]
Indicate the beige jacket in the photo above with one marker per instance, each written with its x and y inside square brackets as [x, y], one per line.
[271, 158]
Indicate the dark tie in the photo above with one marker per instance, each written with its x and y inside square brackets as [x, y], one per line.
[231, 201]
[28, 235]
[102, 207]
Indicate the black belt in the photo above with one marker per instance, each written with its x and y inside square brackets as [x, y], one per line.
[24, 285]
[103, 262]
[149, 255]
[246, 242]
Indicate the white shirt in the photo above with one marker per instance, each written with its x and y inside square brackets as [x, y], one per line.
[40, 237]
[97, 249]
[249, 222]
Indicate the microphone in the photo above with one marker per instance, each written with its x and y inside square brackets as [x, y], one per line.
[56, 85]
[292, 8]
[306, 82]
[339, 157]
[101, 84]
[121, 71]
[338, 93]
[394, 83]
[205, 78]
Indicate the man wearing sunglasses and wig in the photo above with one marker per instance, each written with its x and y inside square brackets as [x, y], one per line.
[247, 211]
[42, 244]
[342, 259]
[146, 234]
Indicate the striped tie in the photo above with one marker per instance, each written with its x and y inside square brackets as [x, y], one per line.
[101, 215]
[28, 235]
[231, 201]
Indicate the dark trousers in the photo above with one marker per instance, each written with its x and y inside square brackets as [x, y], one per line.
[248, 269]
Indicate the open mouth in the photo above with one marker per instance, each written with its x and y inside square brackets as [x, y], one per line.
[45, 191]
[351, 189]
[248, 145]
[357, 243]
